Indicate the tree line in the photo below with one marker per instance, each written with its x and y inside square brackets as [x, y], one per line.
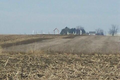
[80, 31]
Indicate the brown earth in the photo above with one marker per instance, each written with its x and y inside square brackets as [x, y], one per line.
[76, 44]
[37, 57]
[44, 66]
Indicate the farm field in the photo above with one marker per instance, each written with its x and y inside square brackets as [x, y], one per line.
[55, 57]
[68, 44]
[11, 40]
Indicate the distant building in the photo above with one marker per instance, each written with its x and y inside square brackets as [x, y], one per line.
[68, 33]
[92, 33]
[118, 34]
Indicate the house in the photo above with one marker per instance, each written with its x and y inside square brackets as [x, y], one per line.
[118, 34]
[92, 32]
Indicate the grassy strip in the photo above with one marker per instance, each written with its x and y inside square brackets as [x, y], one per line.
[24, 41]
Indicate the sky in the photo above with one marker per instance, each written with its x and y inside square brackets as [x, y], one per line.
[43, 16]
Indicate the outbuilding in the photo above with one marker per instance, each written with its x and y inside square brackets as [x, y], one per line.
[92, 33]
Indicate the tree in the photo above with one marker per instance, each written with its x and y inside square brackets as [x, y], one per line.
[72, 30]
[113, 30]
[64, 31]
[78, 29]
[83, 30]
[99, 32]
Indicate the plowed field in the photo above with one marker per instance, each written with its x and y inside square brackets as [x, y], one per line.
[78, 44]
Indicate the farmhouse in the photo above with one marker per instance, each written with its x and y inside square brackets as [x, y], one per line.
[92, 33]
[118, 34]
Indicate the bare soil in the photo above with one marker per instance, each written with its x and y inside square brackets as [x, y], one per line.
[42, 66]
[52, 57]
[77, 44]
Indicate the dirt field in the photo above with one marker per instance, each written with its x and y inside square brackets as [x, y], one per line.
[55, 57]
[42, 66]
[78, 44]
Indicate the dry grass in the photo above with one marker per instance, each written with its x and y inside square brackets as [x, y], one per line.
[14, 40]
[70, 44]
[53, 66]
[10, 38]
[1, 50]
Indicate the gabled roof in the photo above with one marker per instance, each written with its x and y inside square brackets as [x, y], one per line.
[92, 32]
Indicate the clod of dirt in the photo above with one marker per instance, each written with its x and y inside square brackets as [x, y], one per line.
[40, 75]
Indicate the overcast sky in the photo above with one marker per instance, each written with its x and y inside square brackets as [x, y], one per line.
[24, 16]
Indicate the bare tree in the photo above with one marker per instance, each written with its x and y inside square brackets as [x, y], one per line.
[113, 30]
[99, 32]
[78, 29]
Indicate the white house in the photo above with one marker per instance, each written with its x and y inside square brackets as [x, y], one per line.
[118, 34]
[92, 33]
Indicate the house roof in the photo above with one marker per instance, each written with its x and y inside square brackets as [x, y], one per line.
[92, 32]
